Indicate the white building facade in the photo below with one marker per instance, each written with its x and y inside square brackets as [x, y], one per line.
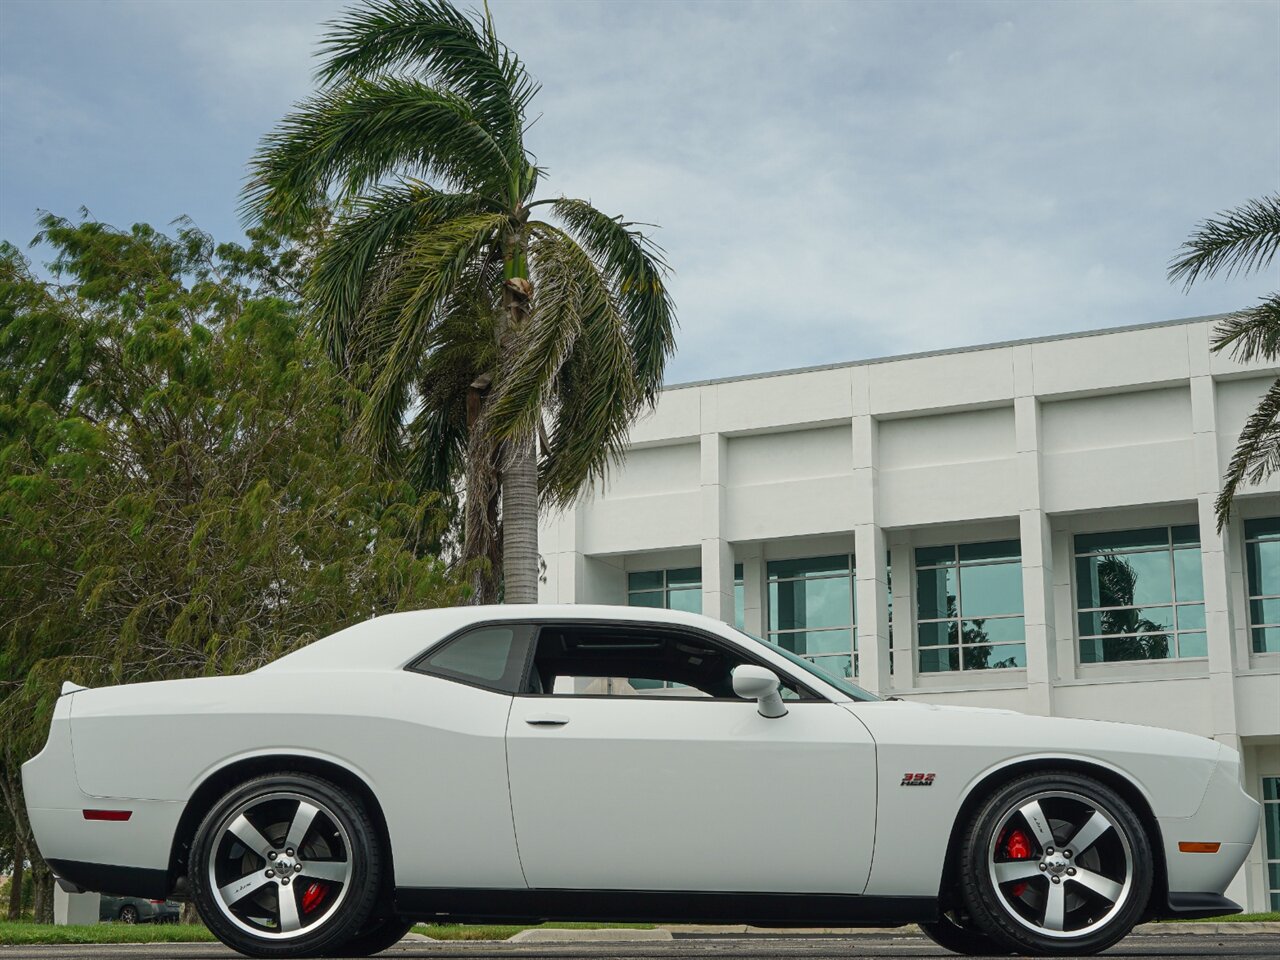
[1026, 525]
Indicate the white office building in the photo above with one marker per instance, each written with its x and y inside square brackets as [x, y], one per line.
[1023, 525]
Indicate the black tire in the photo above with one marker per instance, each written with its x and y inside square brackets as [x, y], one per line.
[377, 936]
[128, 913]
[341, 836]
[1048, 907]
[947, 933]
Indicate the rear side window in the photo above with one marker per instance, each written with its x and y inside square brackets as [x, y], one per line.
[491, 657]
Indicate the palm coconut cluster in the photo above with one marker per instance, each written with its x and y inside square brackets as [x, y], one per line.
[1241, 241]
[504, 341]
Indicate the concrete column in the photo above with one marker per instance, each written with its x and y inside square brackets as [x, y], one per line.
[560, 546]
[1214, 547]
[74, 908]
[1036, 540]
[871, 585]
[904, 613]
[717, 553]
[753, 589]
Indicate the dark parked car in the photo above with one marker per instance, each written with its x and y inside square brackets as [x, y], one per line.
[138, 910]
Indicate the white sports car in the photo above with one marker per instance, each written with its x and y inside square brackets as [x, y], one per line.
[528, 763]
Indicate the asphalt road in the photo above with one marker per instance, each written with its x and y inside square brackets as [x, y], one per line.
[717, 948]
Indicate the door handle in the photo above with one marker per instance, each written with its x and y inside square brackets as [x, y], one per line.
[546, 720]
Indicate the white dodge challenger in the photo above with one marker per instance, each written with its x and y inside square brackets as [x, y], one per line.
[528, 763]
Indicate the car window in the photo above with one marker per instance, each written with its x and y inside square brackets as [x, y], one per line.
[490, 656]
[592, 660]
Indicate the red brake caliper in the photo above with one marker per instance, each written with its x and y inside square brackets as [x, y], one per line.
[1017, 847]
[313, 895]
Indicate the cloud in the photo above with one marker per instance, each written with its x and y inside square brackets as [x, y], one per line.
[833, 181]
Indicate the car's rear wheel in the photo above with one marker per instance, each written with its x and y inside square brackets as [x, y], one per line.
[128, 913]
[1056, 863]
[950, 934]
[286, 865]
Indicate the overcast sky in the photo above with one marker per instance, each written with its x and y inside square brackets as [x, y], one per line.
[833, 181]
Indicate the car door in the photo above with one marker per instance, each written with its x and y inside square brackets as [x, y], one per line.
[648, 789]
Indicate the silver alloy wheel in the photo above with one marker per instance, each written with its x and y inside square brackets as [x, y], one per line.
[1080, 871]
[267, 850]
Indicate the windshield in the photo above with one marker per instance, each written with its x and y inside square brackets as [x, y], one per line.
[851, 690]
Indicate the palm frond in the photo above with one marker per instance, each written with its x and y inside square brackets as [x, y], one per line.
[567, 288]
[1252, 333]
[636, 270]
[442, 45]
[596, 392]
[371, 231]
[356, 135]
[1257, 454]
[434, 265]
[1235, 241]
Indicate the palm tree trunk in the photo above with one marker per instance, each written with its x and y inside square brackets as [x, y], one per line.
[520, 522]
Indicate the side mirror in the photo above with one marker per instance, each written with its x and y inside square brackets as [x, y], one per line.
[761, 685]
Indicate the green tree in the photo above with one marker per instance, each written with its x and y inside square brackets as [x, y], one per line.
[177, 496]
[476, 329]
[1242, 241]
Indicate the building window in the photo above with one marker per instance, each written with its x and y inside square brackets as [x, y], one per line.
[1262, 552]
[811, 611]
[1140, 595]
[969, 607]
[668, 589]
[1271, 817]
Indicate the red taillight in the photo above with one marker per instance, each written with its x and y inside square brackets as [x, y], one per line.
[157, 901]
[312, 896]
[117, 815]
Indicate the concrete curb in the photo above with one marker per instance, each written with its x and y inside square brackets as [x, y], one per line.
[552, 935]
[911, 930]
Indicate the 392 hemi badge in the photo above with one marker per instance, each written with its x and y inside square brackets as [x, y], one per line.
[917, 780]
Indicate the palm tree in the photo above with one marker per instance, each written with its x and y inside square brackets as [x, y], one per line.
[1242, 241]
[478, 332]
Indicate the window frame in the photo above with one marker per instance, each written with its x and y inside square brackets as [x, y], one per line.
[1251, 597]
[959, 565]
[1169, 548]
[808, 693]
[850, 573]
[665, 589]
[1273, 893]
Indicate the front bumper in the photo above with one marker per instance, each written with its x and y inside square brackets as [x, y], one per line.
[1228, 817]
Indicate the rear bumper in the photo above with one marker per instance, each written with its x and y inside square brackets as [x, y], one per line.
[142, 882]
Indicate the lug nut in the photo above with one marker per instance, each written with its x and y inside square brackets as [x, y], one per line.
[298, 867]
[1067, 854]
[289, 852]
[285, 880]
[1054, 879]
[1071, 871]
[271, 855]
[271, 873]
[1042, 865]
[1048, 849]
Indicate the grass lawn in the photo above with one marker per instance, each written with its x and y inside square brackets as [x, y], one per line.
[26, 932]
[1272, 917]
[484, 931]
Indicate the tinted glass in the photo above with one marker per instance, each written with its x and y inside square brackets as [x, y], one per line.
[1193, 645]
[1264, 568]
[1122, 540]
[932, 556]
[649, 580]
[647, 598]
[1124, 580]
[686, 576]
[1266, 639]
[940, 660]
[1188, 576]
[489, 656]
[794, 604]
[808, 567]
[690, 601]
[994, 550]
[939, 633]
[1001, 630]
[991, 589]
[936, 593]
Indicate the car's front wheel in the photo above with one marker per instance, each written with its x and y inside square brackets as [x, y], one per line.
[128, 913]
[1056, 863]
[286, 865]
